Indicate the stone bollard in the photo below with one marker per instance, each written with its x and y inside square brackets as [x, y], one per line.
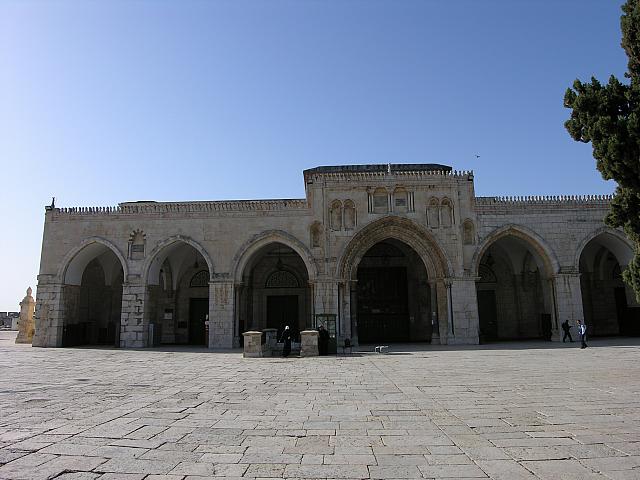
[252, 344]
[25, 324]
[271, 337]
[309, 343]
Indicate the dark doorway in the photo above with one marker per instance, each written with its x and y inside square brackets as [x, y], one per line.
[198, 311]
[488, 315]
[383, 310]
[283, 310]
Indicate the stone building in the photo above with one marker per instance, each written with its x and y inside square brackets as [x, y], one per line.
[391, 253]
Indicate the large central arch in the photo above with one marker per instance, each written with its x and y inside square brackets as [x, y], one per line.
[398, 228]
[430, 314]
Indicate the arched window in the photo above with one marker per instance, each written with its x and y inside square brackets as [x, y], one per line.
[335, 215]
[349, 215]
[380, 201]
[446, 213]
[400, 200]
[316, 235]
[468, 233]
[433, 214]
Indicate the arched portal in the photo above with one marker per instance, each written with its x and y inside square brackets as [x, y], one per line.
[92, 295]
[393, 296]
[177, 303]
[274, 290]
[418, 251]
[609, 306]
[514, 290]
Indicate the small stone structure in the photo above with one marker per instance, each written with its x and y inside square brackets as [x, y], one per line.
[309, 343]
[25, 324]
[253, 347]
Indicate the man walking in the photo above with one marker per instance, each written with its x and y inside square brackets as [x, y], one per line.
[582, 330]
[567, 331]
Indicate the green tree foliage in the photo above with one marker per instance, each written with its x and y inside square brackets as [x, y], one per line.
[608, 116]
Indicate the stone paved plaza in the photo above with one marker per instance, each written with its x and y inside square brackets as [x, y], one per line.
[507, 411]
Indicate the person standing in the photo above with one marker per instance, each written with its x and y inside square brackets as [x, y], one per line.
[323, 340]
[582, 330]
[286, 339]
[567, 331]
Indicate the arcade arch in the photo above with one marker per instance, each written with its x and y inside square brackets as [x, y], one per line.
[177, 301]
[609, 306]
[92, 279]
[393, 251]
[273, 290]
[393, 301]
[514, 287]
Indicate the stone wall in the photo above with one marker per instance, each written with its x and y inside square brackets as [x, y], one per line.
[431, 209]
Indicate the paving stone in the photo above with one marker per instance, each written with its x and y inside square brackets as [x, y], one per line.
[562, 470]
[436, 412]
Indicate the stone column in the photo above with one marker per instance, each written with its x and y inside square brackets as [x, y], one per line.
[464, 310]
[309, 343]
[237, 311]
[433, 314]
[567, 300]
[221, 313]
[134, 319]
[442, 296]
[353, 311]
[26, 328]
[49, 315]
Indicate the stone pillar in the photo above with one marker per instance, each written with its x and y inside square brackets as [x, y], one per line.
[464, 311]
[221, 314]
[442, 296]
[49, 315]
[433, 314]
[26, 328]
[567, 300]
[134, 319]
[237, 311]
[309, 343]
[252, 344]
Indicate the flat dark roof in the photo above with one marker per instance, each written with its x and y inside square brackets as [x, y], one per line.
[380, 167]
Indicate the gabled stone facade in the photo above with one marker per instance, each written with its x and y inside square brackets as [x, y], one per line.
[397, 252]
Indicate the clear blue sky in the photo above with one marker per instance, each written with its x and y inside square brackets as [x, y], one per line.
[104, 102]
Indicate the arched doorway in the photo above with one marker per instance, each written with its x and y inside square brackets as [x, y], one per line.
[274, 291]
[92, 297]
[609, 306]
[410, 246]
[514, 290]
[177, 304]
[393, 296]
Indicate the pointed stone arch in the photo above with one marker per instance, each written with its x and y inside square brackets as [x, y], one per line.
[154, 261]
[255, 243]
[76, 260]
[532, 239]
[398, 228]
[619, 239]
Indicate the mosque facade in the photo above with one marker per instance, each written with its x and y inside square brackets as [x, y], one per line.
[380, 253]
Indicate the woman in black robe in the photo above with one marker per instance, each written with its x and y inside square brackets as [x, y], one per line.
[286, 339]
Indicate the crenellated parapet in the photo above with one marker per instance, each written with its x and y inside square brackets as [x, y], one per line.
[145, 208]
[545, 200]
